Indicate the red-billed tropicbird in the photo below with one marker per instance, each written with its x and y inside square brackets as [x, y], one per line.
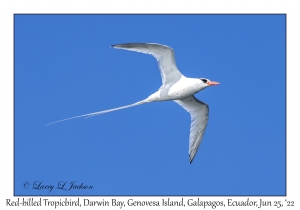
[175, 86]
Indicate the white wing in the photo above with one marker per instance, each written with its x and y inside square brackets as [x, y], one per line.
[164, 56]
[199, 115]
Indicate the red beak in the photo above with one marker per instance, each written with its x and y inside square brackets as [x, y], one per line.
[211, 83]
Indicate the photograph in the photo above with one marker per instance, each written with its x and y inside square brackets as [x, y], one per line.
[149, 104]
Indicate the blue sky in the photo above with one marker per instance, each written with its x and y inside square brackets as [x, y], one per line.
[64, 67]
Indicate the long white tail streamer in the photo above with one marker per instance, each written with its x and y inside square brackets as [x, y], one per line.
[101, 112]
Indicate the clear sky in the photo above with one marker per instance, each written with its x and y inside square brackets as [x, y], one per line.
[64, 67]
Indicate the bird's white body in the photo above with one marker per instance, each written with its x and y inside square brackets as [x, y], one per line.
[185, 87]
[175, 86]
[181, 89]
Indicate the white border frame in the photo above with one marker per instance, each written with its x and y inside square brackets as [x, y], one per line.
[9, 8]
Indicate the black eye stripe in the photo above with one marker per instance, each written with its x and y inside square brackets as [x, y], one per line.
[204, 80]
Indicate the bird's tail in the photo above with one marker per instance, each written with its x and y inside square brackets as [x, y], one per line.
[101, 112]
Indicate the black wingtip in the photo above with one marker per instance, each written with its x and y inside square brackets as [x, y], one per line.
[118, 45]
[191, 160]
[135, 43]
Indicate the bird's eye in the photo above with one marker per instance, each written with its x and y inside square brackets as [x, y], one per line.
[204, 80]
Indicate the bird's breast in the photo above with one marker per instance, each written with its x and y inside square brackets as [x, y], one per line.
[183, 88]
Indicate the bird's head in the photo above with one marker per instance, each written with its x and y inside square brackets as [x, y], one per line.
[207, 82]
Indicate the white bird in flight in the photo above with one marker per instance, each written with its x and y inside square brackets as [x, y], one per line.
[175, 86]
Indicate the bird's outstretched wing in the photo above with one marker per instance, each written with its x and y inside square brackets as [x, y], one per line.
[199, 115]
[164, 55]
